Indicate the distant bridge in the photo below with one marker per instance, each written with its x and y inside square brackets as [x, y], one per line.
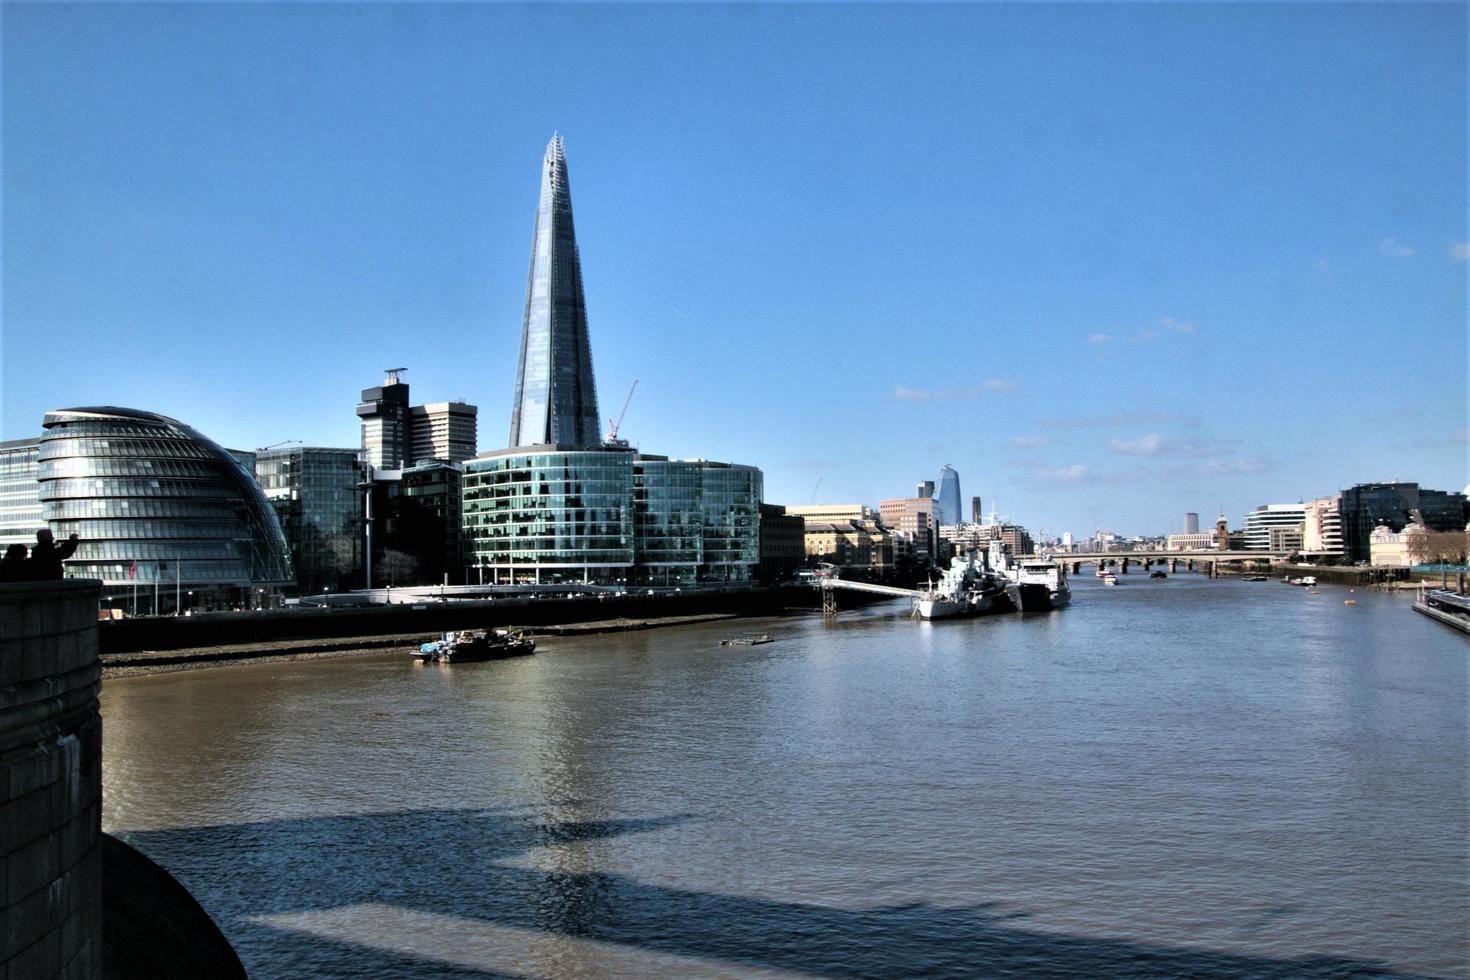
[1149, 556]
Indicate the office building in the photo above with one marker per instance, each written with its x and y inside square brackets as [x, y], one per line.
[384, 414]
[154, 501]
[1322, 528]
[20, 494]
[925, 489]
[913, 518]
[1199, 541]
[1259, 523]
[443, 431]
[947, 498]
[977, 515]
[1365, 506]
[314, 492]
[558, 505]
[422, 525]
[556, 395]
[1191, 523]
[396, 434]
[782, 545]
[549, 514]
[831, 512]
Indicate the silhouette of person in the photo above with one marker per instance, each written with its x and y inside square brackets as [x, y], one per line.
[47, 556]
[13, 565]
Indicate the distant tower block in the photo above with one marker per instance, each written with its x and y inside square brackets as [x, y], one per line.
[924, 490]
[1191, 523]
[948, 496]
[556, 396]
[384, 414]
[977, 513]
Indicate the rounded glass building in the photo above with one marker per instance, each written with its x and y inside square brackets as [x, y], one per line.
[154, 501]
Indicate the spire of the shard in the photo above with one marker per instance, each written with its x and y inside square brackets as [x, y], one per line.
[556, 396]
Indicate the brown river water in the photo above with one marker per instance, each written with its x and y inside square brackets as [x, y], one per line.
[1168, 778]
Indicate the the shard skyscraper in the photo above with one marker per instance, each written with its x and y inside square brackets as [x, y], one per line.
[556, 396]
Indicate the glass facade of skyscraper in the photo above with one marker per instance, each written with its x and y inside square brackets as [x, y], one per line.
[153, 500]
[315, 496]
[947, 498]
[732, 503]
[556, 396]
[20, 494]
[552, 516]
[610, 517]
[668, 520]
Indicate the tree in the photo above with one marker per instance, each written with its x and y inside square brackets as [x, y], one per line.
[398, 567]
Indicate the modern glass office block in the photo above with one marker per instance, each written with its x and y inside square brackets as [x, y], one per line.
[314, 491]
[947, 498]
[668, 517]
[731, 500]
[20, 500]
[556, 396]
[153, 500]
[550, 516]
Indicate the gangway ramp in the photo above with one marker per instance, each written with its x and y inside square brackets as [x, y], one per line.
[842, 583]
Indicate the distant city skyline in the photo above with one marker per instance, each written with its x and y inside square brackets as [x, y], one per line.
[1130, 260]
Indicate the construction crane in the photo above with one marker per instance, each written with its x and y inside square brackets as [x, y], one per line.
[613, 427]
[277, 445]
[816, 488]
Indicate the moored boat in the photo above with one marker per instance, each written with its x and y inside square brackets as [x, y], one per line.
[473, 646]
[747, 641]
[1041, 584]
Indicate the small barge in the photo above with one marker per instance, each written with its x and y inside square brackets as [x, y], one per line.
[474, 646]
[748, 641]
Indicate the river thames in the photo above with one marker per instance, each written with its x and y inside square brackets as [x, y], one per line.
[1178, 777]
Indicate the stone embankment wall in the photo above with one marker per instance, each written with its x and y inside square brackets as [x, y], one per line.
[50, 780]
[186, 632]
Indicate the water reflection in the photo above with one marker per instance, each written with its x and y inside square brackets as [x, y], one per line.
[1166, 778]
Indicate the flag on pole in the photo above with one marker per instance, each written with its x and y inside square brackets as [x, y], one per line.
[133, 570]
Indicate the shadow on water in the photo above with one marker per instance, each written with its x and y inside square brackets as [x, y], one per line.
[454, 868]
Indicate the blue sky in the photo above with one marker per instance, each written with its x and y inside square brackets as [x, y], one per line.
[1123, 259]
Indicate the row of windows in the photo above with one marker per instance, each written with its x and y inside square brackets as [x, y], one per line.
[122, 529]
[84, 507]
[122, 466]
[187, 573]
[156, 550]
[134, 448]
[115, 487]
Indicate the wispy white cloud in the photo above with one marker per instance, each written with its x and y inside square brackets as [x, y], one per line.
[1148, 445]
[1030, 442]
[1113, 421]
[1075, 473]
[989, 385]
[1146, 336]
[1459, 252]
[1228, 467]
[1099, 338]
[1320, 265]
[1462, 434]
[1169, 323]
[679, 312]
[1393, 248]
[1154, 444]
